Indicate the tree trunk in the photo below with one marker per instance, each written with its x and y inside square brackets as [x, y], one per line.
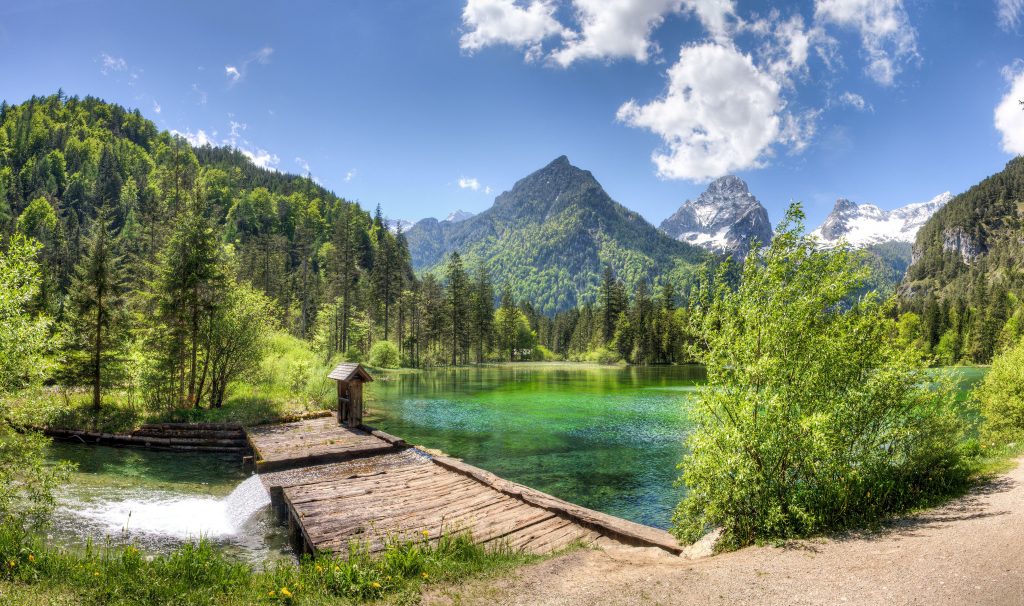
[97, 347]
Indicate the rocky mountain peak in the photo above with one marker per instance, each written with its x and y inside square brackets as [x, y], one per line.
[458, 215]
[862, 225]
[725, 218]
[844, 205]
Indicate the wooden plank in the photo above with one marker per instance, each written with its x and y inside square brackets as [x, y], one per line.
[365, 491]
[621, 530]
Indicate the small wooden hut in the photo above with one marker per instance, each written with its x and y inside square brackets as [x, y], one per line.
[350, 377]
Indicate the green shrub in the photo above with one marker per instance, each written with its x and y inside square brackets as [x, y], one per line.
[602, 355]
[384, 354]
[543, 354]
[27, 483]
[1000, 396]
[815, 416]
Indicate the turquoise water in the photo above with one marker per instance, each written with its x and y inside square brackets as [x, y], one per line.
[608, 438]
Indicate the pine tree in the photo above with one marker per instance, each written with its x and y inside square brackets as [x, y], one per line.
[458, 306]
[97, 328]
[482, 306]
[507, 323]
[189, 283]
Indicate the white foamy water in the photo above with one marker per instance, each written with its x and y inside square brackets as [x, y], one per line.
[180, 516]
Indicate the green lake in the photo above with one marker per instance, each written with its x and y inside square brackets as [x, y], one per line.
[605, 437]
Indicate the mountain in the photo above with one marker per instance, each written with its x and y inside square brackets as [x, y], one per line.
[395, 225]
[725, 218]
[551, 235]
[862, 225]
[966, 273]
[458, 215]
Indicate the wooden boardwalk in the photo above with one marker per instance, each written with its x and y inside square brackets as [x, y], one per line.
[375, 489]
[312, 442]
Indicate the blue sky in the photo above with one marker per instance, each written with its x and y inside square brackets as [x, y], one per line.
[425, 107]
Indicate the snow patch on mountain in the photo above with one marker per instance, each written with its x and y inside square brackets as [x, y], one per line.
[458, 215]
[862, 225]
[726, 218]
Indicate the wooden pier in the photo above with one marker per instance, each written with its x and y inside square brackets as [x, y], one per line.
[336, 485]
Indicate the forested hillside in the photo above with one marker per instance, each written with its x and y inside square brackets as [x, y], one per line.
[550, 237]
[967, 277]
[150, 245]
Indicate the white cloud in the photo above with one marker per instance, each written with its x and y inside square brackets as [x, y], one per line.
[1009, 13]
[156, 107]
[302, 163]
[236, 131]
[488, 190]
[715, 15]
[112, 64]
[237, 73]
[494, 22]
[262, 158]
[351, 174]
[719, 114]
[885, 31]
[469, 183]
[196, 139]
[786, 46]
[855, 101]
[1009, 114]
[612, 29]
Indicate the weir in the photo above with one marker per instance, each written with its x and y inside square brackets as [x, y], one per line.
[340, 481]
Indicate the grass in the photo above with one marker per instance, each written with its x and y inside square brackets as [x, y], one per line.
[32, 573]
[292, 381]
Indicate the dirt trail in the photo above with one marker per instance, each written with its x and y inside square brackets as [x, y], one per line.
[970, 551]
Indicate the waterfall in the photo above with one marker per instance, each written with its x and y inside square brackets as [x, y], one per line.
[181, 516]
[245, 500]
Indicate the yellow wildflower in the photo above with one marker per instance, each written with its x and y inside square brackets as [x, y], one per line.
[95, 574]
[271, 593]
[285, 592]
[426, 576]
[375, 585]
[319, 569]
[10, 563]
[31, 558]
[426, 533]
[336, 569]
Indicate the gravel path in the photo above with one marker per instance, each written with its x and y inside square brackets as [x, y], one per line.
[970, 551]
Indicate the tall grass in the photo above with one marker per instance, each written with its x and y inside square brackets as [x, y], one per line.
[201, 574]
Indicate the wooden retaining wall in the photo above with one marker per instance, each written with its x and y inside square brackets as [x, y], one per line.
[181, 437]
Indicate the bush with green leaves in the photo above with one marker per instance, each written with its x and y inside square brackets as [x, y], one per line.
[26, 482]
[384, 354]
[23, 335]
[1000, 396]
[816, 416]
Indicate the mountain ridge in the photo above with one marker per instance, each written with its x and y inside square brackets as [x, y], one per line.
[550, 236]
[862, 225]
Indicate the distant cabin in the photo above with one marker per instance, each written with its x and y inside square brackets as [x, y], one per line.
[350, 377]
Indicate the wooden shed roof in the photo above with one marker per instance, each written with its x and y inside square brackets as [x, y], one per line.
[347, 370]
